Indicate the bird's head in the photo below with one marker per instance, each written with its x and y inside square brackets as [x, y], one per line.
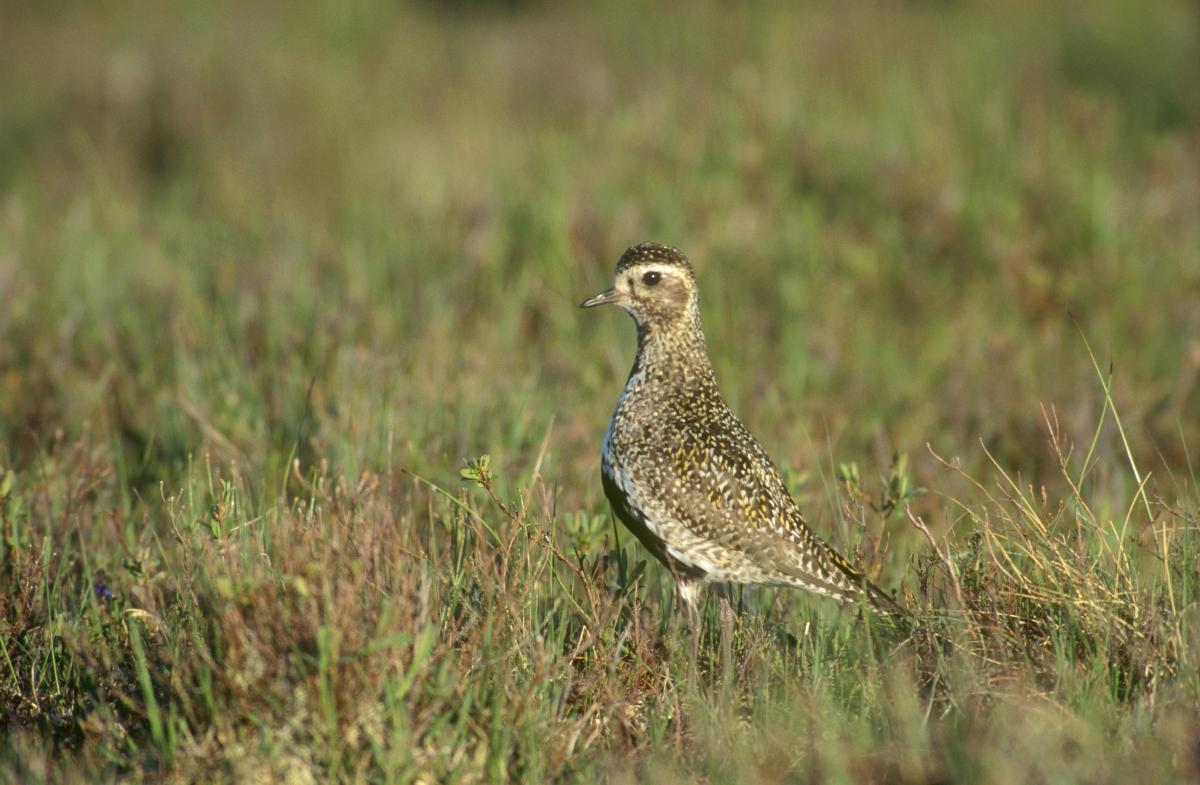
[654, 283]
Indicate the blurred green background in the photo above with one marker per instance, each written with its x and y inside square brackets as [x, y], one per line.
[278, 253]
[208, 208]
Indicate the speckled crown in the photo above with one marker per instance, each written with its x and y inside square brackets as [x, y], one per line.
[654, 252]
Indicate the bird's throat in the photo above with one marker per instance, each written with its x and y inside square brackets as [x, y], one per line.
[672, 352]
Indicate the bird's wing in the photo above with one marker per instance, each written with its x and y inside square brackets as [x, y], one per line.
[728, 491]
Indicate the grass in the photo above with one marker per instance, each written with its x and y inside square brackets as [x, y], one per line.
[273, 279]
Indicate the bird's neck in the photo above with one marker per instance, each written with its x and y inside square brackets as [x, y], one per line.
[672, 354]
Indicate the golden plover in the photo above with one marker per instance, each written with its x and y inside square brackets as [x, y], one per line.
[683, 473]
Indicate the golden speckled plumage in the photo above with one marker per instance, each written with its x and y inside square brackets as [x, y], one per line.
[683, 473]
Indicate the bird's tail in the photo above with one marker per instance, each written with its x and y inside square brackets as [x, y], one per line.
[882, 602]
[878, 598]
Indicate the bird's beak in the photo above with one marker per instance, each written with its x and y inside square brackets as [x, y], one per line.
[604, 298]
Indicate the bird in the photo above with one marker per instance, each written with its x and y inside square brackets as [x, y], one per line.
[683, 473]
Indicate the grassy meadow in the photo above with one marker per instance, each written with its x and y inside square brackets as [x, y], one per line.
[275, 278]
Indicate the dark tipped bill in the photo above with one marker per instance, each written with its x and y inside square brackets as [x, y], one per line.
[604, 298]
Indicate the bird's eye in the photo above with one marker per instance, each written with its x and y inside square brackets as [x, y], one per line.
[651, 278]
